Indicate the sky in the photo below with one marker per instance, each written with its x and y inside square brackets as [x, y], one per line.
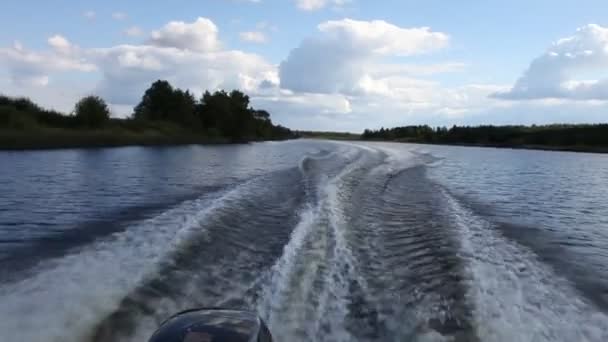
[333, 65]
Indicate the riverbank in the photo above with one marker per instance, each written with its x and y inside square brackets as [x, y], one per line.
[165, 116]
[329, 135]
[95, 139]
[575, 148]
[555, 137]
[356, 137]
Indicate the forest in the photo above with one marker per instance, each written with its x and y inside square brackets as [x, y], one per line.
[165, 115]
[591, 137]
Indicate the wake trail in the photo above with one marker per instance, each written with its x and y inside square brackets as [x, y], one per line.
[516, 297]
[66, 298]
[306, 295]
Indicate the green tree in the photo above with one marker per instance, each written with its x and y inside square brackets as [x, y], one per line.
[92, 112]
[183, 109]
[155, 105]
[162, 102]
[229, 113]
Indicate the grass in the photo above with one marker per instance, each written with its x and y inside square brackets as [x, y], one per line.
[113, 135]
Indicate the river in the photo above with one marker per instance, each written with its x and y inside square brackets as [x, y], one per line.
[327, 241]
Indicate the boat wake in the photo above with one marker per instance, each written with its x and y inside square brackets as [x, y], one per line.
[355, 243]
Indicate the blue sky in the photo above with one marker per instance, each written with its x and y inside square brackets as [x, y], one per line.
[321, 64]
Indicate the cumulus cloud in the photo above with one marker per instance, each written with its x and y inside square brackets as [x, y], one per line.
[314, 5]
[129, 69]
[423, 102]
[341, 56]
[381, 37]
[253, 37]
[336, 80]
[357, 75]
[34, 68]
[189, 55]
[348, 76]
[201, 35]
[560, 71]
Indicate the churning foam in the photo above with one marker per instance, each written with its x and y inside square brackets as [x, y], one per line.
[515, 296]
[286, 298]
[67, 297]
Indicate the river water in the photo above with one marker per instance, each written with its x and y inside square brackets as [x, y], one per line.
[326, 241]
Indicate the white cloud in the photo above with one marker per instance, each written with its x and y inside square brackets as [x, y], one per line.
[314, 5]
[133, 31]
[62, 95]
[129, 69]
[557, 73]
[60, 44]
[35, 68]
[350, 75]
[387, 69]
[381, 37]
[346, 50]
[89, 15]
[119, 15]
[253, 37]
[201, 35]
[349, 61]
[189, 55]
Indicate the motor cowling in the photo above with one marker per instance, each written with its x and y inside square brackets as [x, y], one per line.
[213, 325]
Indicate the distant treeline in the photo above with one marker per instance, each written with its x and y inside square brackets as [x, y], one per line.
[165, 115]
[577, 137]
[328, 135]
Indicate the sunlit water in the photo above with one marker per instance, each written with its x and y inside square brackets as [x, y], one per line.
[326, 241]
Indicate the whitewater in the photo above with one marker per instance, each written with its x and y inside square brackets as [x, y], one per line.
[333, 242]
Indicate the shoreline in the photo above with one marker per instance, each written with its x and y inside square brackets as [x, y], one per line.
[99, 139]
[575, 148]
[93, 140]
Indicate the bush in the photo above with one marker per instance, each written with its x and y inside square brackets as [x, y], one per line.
[11, 118]
[92, 112]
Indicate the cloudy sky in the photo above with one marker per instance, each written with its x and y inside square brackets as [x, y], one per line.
[321, 64]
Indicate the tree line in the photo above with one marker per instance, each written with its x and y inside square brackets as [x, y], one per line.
[590, 135]
[226, 115]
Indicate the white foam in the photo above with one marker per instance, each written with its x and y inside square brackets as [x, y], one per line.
[398, 156]
[67, 297]
[286, 298]
[515, 296]
[282, 271]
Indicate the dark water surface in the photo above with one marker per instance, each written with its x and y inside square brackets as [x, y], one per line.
[326, 241]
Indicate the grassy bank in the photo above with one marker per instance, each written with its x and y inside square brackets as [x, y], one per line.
[61, 138]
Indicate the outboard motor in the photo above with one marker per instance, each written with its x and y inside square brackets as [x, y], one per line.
[213, 325]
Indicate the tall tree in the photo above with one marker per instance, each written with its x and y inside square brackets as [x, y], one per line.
[92, 112]
[156, 102]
